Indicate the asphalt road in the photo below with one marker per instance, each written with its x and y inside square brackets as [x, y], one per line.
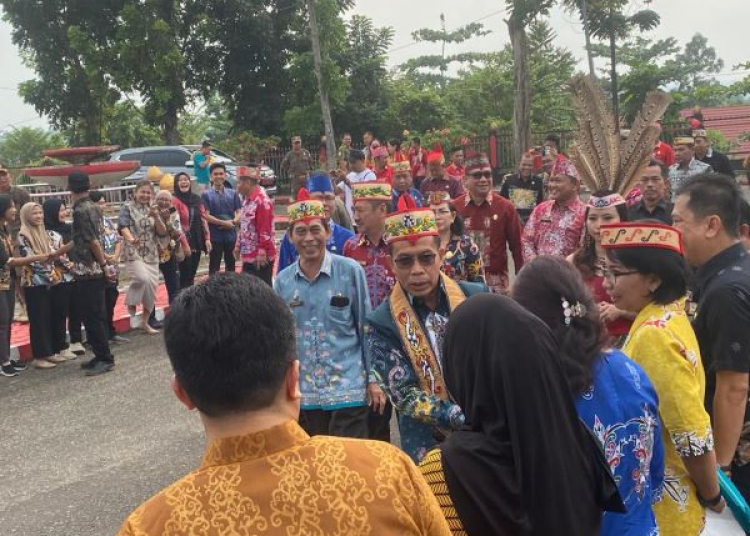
[78, 454]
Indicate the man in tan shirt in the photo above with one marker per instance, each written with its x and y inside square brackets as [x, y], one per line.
[261, 473]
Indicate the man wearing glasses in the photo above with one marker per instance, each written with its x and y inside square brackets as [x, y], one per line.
[653, 185]
[405, 333]
[492, 223]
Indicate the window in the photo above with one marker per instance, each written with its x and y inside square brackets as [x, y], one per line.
[165, 158]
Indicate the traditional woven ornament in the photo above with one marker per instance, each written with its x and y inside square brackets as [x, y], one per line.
[305, 209]
[371, 191]
[436, 199]
[602, 158]
[641, 235]
[410, 223]
[400, 164]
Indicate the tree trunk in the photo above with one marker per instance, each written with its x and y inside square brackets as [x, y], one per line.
[615, 88]
[325, 106]
[522, 88]
[587, 34]
[171, 125]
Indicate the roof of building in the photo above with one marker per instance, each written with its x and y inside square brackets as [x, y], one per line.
[731, 121]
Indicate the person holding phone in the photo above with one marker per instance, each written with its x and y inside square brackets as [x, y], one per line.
[140, 224]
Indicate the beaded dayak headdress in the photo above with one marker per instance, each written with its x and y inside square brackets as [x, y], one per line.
[605, 161]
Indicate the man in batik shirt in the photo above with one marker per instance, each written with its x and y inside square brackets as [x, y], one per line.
[492, 223]
[256, 244]
[556, 226]
[371, 206]
[261, 473]
[319, 187]
[406, 331]
[329, 299]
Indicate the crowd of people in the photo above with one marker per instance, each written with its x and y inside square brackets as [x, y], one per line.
[564, 354]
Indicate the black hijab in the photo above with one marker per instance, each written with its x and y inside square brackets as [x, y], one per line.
[188, 198]
[52, 221]
[523, 464]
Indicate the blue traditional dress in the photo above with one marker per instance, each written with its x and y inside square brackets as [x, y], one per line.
[288, 253]
[424, 408]
[622, 409]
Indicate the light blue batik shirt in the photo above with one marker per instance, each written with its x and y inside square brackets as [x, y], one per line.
[334, 368]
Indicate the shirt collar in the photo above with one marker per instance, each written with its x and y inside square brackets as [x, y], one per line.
[487, 199]
[718, 262]
[363, 240]
[660, 205]
[575, 200]
[325, 268]
[253, 446]
[418, 302]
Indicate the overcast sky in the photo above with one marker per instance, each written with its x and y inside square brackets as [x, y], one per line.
[723, 22]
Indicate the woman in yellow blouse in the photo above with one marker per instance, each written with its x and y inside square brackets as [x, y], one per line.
[645, 274]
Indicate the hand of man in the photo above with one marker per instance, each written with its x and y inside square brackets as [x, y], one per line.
[261, 260]
[375, 398]
[208, 246]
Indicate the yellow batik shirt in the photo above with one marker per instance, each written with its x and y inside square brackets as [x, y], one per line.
[662, 341]
[282, 482]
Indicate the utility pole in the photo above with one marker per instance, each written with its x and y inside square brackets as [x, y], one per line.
[325, 106]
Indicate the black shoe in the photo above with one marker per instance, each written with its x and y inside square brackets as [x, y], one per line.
[18, 365]
[86, 365]
[155, 324]
[8, 371]
[99, 367]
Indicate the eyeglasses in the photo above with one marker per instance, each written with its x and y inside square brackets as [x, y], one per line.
[479, 174]
[612, 275]
[425, 259]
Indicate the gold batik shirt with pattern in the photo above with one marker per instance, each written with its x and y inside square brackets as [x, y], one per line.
[282, 482]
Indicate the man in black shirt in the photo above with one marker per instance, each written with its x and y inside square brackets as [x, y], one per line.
[707, 211]
[653, 185]
[90, 270]
[525, 190]
[706, 154]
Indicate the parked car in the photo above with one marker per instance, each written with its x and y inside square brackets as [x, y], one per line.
[169, 158]
[267, 174]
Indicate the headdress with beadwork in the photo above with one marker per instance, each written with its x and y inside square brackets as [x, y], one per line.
[605, 161]
[400, 164]
[410, 223]
[305, 209]
[475, 161]
[371, 191]
[438, 198]
[641, 235]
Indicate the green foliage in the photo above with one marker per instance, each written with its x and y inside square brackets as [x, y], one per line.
[247, 147]
[422, 68]
[23, 146]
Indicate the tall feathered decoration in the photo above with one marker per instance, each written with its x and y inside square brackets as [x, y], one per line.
[603, 159]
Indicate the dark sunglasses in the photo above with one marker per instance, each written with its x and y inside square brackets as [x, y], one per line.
[479, 174]
[425, 259]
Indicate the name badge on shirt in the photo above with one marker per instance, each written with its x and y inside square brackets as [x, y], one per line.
[296, 302]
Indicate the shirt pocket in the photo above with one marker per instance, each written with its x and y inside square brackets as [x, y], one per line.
[341, 317]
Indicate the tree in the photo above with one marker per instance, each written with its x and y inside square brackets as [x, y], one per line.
[607, 20]
[23, 146]
[423, 67]
[325, 105]
[521, 14]
[69, 88]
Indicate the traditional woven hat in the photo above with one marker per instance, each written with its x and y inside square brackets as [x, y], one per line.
[641, 235]
[436, 155]
[250, 172]
[603, 160]
[474, 161]
[305, 209]
[684, 140]
[400, 165]
[410, 223]
[438, 198]
[371, 191]
[607, 201]
[701, 133]
[380, 151]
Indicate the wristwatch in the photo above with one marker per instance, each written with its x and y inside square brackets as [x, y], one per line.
[709, 503]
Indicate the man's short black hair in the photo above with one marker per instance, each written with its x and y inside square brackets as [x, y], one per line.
[217, 165]
[554, 138]
[714, 194]
[230, 341]
[664, 169]
[205, 144]
[79, 182]
[96, 195]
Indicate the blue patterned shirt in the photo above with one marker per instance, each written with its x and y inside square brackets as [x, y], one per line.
[334, 368]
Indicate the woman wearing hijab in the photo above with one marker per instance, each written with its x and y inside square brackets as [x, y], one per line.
[523, 464]
[645, 274]
[194, 225]
[8, 367]
[41, 271]
[140, 225]
[613, 395]
[61, 232]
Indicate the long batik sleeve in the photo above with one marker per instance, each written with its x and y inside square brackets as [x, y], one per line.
[399, 379]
